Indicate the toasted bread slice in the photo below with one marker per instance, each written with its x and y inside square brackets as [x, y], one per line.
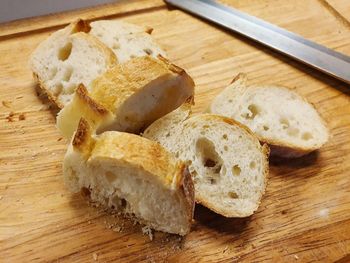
[67, 58]
[277, 115]
[132, 175]
[126, 40]
[128, 97]
[227, 163]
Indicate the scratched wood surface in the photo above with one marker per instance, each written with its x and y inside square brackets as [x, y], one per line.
[305, 214]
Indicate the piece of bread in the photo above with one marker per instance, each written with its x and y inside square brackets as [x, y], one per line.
[277, 115]
[228, 165]
[132, 175]
[67, 58]
[128, 97]
[126, 40]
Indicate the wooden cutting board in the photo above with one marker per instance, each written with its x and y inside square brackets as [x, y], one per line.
[305, 214]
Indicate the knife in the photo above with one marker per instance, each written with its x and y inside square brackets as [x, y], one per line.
[317, 56]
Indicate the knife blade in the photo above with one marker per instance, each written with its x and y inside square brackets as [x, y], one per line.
[310, 53]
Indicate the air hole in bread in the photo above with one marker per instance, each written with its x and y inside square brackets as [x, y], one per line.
[293, 132]
[67, 74]
[212, 180]
[52, 73]
[252, 165]
[123, 203]
[306, 136]
[206, 126]
[209, 163]
[119, 203]
[110, 176]
[64, 52]
[116, 46]
[230, 101]
[224, 136]
[210, 159]
[202, 132]
[253, 111]
[266, 128]
[284, 123]
[226, 148]
[177, 154]
[167, 135]
[132, 56]
[148, 51]
[236, 170]
[233, 195]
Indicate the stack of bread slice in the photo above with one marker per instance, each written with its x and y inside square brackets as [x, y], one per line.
[135, 145]
[110, 78]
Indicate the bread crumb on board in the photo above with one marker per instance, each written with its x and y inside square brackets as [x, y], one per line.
[21, 117]
[95, 256]
[117, 229]
[146, 230]
[9, 118]
[296, 257]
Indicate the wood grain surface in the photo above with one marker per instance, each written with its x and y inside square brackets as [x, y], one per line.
[305, 214]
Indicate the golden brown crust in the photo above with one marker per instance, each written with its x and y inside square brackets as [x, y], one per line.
[83, 95]
[187, 189]
[82, 134]
[147, 155]
[189, 101]
[172, 67]
[46, 91]
[81, 25]
[83, 141]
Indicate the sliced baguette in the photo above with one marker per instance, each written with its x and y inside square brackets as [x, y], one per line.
[128, 97]
[227, 163]
[67, 58]
[126, 40]
[132, 175]
[277, 115]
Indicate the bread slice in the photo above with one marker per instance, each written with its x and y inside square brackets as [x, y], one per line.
[126, 40]
[131, 175]
[227, 163]
[67, 58]
[277, 115]
[128, 97]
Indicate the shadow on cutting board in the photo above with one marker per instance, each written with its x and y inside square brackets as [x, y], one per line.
[232, 226]
[295, 163]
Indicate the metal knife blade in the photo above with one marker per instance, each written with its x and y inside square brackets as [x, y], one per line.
[317, 56]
